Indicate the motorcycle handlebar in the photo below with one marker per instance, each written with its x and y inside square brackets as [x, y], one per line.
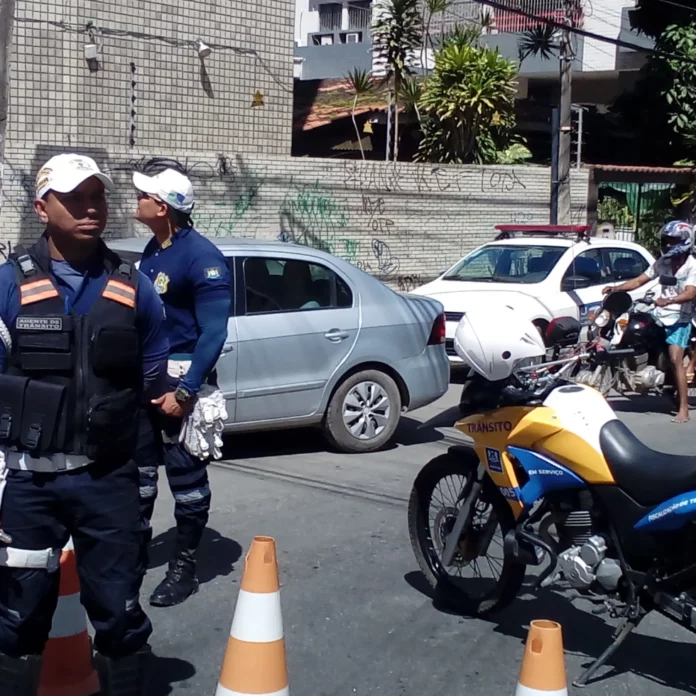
[605, 356]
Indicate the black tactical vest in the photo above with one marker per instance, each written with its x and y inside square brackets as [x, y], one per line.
[74, 380]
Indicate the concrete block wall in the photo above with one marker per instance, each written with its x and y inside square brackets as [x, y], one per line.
[150, 97]
[403, 222]
[149, 65]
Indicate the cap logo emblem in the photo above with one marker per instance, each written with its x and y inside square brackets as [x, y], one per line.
[81, 164]
[43, 176]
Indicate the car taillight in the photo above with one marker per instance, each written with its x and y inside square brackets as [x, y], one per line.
[437, 335]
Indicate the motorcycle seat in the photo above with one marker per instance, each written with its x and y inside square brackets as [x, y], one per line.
[648, 476]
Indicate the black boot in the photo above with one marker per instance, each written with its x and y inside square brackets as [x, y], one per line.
[19, 676]
[179, 583]
[124, 676]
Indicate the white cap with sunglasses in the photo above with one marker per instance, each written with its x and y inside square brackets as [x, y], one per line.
[171, 187]
[64, 173]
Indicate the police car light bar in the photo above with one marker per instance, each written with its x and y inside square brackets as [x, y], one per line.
[509, 231]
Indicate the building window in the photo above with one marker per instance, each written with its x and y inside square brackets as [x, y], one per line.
[323, 39]
[330, 16]
[352, 37]
[359, 14]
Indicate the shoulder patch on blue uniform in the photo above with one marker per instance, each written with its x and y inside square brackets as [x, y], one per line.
[213, 273]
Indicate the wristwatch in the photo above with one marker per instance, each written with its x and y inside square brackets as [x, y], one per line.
[182, 395]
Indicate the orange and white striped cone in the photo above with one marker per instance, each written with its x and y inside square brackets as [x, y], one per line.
[255, 661]
[67, 658]
[543, 666]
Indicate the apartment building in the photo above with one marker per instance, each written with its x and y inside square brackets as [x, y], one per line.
[332, 37]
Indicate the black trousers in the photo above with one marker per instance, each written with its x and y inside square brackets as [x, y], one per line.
[98, 507]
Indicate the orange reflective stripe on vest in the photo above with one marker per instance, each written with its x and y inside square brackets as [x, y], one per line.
[119, 292]
[36, 291]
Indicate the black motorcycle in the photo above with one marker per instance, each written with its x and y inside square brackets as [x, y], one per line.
[625, 325]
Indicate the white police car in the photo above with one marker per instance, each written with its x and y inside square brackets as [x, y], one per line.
[544, 271]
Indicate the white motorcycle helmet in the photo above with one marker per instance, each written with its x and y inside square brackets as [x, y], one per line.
[495, 339]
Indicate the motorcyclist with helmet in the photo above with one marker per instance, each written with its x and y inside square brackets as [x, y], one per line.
[673, 308]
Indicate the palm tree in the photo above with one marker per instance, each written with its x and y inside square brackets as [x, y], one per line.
[540, 41]
[360, 84]
[487, 21]
[398, 33]
[411, 93]
[431, 7]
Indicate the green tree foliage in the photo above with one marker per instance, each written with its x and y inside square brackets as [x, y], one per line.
[360, 85]
[652, 17]
[661, 110]
[468, 104]
[397, 37]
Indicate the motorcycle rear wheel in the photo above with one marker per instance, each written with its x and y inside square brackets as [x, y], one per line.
[461, 596]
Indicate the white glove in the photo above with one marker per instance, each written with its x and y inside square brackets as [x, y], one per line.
[201, 433]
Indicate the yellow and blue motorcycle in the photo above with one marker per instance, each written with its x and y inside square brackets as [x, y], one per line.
[554, 479]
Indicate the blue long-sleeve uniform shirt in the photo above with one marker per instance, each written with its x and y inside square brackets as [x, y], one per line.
[191, 276]
[71, 282]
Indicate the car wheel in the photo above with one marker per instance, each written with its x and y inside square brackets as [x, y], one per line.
[363, 412]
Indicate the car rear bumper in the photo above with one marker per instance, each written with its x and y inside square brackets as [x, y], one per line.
[426, 376]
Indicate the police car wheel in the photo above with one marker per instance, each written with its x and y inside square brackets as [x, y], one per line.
[363, 412]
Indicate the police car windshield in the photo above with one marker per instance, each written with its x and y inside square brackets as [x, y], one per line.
[507, 264]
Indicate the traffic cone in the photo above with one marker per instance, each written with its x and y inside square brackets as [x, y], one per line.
[543, 666]
[67, 658]
[255, 658]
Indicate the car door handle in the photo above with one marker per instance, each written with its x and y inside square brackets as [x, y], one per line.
[336, 335]
[227, 348]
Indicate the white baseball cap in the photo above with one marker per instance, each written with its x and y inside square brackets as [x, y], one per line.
[170, 186]
[64, 173]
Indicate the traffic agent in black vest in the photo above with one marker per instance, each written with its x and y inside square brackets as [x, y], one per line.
[73, 384]
[82, 345]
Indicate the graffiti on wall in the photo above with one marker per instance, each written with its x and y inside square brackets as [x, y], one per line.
[226, 190]
[5, 250]
[223, 168]
[375, 211]
[314, 216]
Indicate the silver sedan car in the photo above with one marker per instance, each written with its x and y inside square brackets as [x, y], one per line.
[315, 341]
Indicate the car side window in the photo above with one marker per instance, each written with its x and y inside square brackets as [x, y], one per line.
[289, 285]
[588, 265]
[624, 264]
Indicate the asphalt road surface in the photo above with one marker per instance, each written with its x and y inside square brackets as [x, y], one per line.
[358, 616]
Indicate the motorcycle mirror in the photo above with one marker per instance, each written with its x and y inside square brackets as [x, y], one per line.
[668, 281]
[617, 303]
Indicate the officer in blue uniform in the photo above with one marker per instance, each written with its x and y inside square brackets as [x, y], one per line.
[83, 344]
[191, 276]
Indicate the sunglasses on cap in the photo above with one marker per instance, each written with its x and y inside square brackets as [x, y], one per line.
[141, 195]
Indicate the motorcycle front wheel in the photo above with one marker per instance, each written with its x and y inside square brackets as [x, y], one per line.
[435, 499]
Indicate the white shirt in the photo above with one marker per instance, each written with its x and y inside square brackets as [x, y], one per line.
[686, 275]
